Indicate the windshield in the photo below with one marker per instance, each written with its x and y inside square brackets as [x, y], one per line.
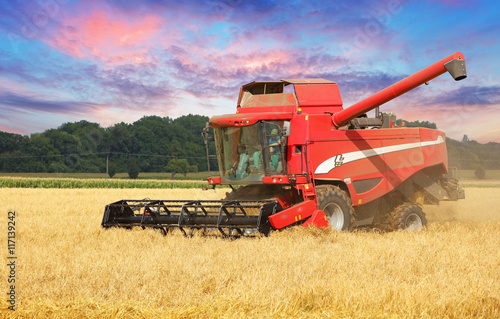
[248, 153]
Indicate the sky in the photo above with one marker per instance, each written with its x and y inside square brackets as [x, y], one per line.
[117, 61]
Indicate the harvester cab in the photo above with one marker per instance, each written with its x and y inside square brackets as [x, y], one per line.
[248, 153]
[300, 158]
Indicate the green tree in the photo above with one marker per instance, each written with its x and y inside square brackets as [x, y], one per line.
[193, 169]
[176, 165]
[133, 170]
[10, 142]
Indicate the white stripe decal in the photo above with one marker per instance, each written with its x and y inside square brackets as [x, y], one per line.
[341, 159]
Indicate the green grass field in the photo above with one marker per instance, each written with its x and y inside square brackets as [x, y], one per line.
[33, 182]
[158, 176]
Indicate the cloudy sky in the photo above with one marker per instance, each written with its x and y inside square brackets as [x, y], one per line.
[116, 61]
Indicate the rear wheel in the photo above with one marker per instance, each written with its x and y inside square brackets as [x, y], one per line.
[408, 216]
[336, 205]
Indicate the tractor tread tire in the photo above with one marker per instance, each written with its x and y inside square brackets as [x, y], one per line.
[330, 193]
[397, 218]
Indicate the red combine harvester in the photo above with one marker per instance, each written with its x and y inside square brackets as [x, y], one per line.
[305, 160]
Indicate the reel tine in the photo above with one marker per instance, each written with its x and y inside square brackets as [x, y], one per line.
[164, 231]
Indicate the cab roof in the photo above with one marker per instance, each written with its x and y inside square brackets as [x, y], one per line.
[288, 81]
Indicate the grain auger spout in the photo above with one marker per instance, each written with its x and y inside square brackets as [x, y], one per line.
[290, 159]
[454, 64]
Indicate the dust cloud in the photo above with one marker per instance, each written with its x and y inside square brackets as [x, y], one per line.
[480, 205]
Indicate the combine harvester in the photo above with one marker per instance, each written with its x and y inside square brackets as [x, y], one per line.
[305, 160]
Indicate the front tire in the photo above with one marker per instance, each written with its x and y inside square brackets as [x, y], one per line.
[337, 207]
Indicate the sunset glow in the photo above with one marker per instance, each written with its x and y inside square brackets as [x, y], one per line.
[116, 61]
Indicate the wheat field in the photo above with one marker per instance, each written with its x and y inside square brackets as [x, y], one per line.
[69, 267]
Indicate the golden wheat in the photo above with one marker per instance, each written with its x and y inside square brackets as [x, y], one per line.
[70, 267]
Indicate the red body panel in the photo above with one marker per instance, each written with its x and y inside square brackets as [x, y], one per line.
[318, 98]
[318, 218]
[214, 180]
[293, 214]
[390, 155]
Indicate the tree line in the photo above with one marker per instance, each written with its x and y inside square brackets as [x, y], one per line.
[149, 143]
[160, 144]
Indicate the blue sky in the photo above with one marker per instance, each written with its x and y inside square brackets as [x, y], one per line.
[116, 61]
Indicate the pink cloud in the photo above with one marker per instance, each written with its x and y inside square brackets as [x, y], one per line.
[7, 85]
[11, 130]
[109, 37]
